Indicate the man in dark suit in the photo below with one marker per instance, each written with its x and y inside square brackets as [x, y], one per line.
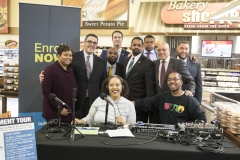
[193, 68]
[149, 51]
[89, 77]
[113, 68]
[139, 73]
[117, 38]
[171, 64]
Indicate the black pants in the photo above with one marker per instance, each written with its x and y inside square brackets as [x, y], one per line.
[83, 112]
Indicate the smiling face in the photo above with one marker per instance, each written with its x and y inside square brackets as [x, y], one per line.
[117, 39]
[136, 47]
[65, 58]
[163, 51]
[90, 44]
[183, 50]
[115, 88]
[174, 81]
[112, 55]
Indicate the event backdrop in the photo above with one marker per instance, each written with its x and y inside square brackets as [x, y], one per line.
[42, 28]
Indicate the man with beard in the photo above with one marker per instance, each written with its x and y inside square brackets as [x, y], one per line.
[174, 106]
[193, 68]
[149, 50]
[113, 68]
[139, 73]
[117, 38]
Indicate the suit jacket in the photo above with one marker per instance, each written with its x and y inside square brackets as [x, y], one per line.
[140, 79]
[93, 84]
[195, 71]
[122, 57]
[119, 70]
[176, 65]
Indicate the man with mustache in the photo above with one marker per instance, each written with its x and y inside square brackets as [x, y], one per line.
[113, 68]
[139, 73]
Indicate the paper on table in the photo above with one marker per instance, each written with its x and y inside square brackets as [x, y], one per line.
[87, 130]
[120, 133]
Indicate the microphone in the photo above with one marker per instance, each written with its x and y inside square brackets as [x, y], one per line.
[104, 96]
[54, 97]
[74, 92]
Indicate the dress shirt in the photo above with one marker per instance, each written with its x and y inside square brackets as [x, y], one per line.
[160, 67]
[136, 58]
[153, 54]
[90, 58]
[113, 68]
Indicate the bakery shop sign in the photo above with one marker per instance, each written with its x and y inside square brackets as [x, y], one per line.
[102, 13]
[193, 15]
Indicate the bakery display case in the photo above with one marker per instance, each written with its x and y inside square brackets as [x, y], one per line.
[224, 110]
[221, 80]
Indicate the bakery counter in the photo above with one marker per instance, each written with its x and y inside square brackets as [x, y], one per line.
[7, 94]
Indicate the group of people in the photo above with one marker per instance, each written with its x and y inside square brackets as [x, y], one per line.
[151, 79]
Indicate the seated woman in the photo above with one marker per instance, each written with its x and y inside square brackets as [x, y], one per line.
[122, 112]
[59, 79]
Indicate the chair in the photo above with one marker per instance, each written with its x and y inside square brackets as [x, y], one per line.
[6, 115]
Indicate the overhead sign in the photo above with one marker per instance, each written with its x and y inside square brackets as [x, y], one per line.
[102, 13]
[193, 15]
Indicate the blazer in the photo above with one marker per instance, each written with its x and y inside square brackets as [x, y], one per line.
[122, 57]
[195, 71]
[140, 79]
[93, 84]
[176, 65]
[119, 70]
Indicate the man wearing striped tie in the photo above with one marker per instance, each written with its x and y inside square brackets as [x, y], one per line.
[139, 73]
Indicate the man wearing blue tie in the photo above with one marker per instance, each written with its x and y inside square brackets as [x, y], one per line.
[117, 38]
[139, 73]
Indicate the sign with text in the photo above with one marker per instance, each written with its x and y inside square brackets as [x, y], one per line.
[193, 15]
[42, 28]
[102, 13]
[17, 139]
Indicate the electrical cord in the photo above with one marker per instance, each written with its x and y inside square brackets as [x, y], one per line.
[102, 141]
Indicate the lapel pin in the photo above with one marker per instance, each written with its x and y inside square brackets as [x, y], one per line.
[138, 61]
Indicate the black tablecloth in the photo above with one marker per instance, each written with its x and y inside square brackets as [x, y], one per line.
[90, 147]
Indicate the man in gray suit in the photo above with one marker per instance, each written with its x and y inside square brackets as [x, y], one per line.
[164, 66]
[171, 65]
[193, 68]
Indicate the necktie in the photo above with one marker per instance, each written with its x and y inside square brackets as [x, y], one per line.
[110, 71]
[148, 55]
[88, 66]
[130, 67]
[162, 74]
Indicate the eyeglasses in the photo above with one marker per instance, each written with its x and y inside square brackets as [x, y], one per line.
[90, 42]
[174, 79]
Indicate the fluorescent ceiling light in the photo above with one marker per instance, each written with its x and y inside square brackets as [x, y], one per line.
[220, 13]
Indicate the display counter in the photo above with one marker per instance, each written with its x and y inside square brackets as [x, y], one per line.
[7, 94]
[211, 110]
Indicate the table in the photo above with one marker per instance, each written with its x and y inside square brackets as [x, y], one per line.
[90, 147]
[7, 94]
